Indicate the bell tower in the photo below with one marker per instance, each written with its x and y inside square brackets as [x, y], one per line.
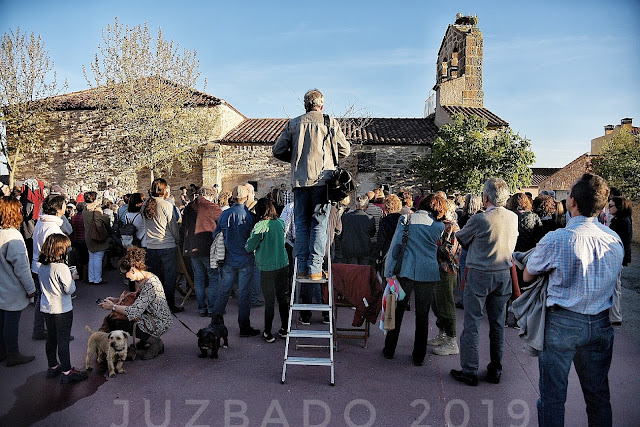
[459, 65]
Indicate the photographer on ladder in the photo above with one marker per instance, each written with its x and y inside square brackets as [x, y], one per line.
[307, 143]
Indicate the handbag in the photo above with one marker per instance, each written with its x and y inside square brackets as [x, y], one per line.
[398, 250]
[341, 182]
[126, 298]
[97, 231]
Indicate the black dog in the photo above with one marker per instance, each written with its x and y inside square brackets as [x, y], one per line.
[209, 337]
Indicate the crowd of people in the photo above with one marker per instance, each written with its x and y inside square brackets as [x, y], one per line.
[451, 251]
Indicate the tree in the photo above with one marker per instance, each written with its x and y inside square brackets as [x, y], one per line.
[619, 163]
[465, 154]
[26, 91]
[144, 92]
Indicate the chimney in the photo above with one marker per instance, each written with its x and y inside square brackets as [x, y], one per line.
[608, 129]
[626, 123]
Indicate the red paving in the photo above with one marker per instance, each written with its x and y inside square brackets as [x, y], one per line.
[243, 386]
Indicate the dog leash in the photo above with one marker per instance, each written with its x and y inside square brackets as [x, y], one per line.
[183, 324]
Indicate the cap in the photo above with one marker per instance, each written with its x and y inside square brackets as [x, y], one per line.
[240, 192]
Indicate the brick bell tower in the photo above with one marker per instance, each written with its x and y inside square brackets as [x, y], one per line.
[459, 65]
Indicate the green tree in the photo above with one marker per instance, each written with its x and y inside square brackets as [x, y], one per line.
[465, 154]
[144, 92]
[619, 163]
[27, 85]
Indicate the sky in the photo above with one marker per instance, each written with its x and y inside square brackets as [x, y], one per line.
[558, 71]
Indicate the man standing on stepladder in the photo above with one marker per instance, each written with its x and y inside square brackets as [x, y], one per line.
[307, 143]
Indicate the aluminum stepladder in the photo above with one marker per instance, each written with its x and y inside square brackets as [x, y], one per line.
[296, 334]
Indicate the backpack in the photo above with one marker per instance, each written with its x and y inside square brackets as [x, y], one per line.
[97, 230]
[128, 232]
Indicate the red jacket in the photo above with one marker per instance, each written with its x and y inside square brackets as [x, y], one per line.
[199, 222]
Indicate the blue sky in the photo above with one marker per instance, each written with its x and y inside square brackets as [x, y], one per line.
[557, 71]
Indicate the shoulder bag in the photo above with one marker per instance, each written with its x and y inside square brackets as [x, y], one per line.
[97, 230]
[398, 250]
[341, 182]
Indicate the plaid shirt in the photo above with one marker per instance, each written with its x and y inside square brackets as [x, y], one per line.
[449, 248]
[286, 197]
[583, 261]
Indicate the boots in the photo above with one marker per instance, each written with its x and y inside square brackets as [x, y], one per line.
[439, 339]
[156, 347]
[448, 347]
[15, 359]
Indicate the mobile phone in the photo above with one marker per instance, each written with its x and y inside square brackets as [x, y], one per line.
[99, 301]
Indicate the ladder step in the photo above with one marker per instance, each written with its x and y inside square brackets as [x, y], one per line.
[311, 307]
[301, 333]
[323, 280]
[315, 361]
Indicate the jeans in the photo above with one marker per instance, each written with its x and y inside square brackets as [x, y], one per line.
[311, 218]
[587, 340]
[443, 305]
[59, 327]
[95, 266]
[164, 264]
[488, 290]
[202, 272]
[231, 275]
[9, 321]
[424, 290]
[255, 286]
[275, 285]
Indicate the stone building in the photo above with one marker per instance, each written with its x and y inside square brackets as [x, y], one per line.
[240, 151]
[610, 131]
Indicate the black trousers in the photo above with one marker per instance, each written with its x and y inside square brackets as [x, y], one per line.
[275, 285]
[58, 337]
[424, 291]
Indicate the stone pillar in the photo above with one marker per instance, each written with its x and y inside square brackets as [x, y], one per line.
[212, 165]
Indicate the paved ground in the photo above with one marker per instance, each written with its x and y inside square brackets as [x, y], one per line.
[243, 386]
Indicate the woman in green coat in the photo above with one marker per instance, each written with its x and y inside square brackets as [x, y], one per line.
[267, 240]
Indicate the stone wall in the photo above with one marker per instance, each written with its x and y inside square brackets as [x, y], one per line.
[78, 153]
[561, 181]
[372, 165]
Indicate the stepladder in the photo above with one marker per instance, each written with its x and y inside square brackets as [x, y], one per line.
[301, 335]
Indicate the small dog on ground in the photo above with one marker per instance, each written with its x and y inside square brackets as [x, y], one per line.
[209, 337]
[112, 345]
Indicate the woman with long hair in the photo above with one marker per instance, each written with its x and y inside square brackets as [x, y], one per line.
[267, 240]
[161, 225]
[17, 283]
[419, 270]
[94, 217]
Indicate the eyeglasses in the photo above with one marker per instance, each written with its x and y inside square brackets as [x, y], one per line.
[612, 206]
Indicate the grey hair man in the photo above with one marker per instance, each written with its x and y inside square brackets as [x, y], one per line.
[310, 140]
[490, 239]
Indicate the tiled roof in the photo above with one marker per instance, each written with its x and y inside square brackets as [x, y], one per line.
[386, 131]
[494, 121]
[539, 174]
[84, 99]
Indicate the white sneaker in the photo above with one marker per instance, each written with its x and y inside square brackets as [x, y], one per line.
[438, 340]
[448, 348]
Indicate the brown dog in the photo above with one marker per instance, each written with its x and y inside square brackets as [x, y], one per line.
[112, 345]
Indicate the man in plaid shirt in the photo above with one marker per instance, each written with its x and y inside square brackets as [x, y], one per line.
[583, 261]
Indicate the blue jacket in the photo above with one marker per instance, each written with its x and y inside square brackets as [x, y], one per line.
[419, 261]
[236, 224]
